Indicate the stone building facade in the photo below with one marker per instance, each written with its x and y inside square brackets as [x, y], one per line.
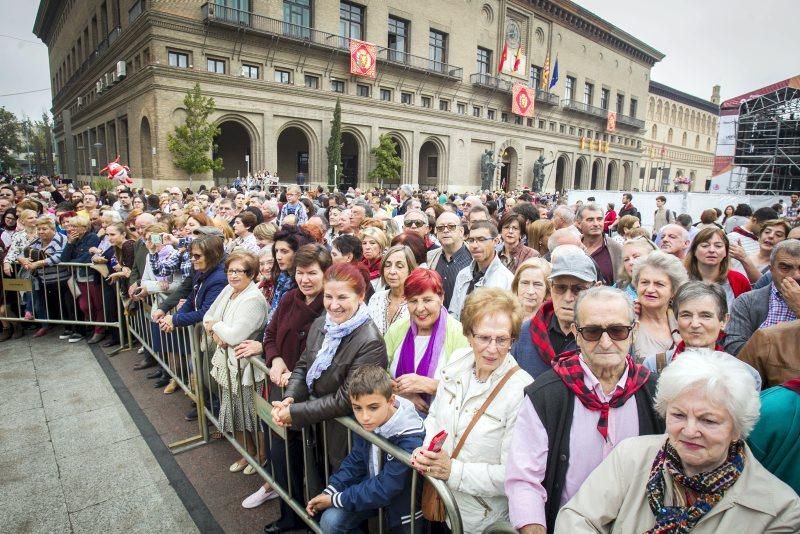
[681, 140]
[120, 70]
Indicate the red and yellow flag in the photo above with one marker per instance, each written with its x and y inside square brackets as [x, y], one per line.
[517, 58]
[611, 123]
[503, 57]
[544, 82]
[522, 100]
[362, 58]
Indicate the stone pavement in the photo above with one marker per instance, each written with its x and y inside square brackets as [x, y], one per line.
[71, 457]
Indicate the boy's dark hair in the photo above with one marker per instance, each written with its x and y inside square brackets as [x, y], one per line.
[369, 380]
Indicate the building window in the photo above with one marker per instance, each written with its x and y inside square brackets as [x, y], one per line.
[312, 82]
[536, 76]
[444, 105]
[216, 65]
[572, 130]
[283, 76]
[552, 127]
[426, 101]
[517, 119]
[250, 71]
[605, 95]
[433, 166]
[562, 128]
[504, 117]
[484, 61]
[530, 123]
[580, 132]
[407, 98]
[398, 42]
[476, 111]
[633, 105]
[386, 94]
[178, 59]
[351, 19]
[542, 124]
[461, 108]
[337, 86]
[588, 93]
[135, 11]
[297, 18]
[620, 104]
[491, 114]
[362, 90]
[569, 89]
[437, 50]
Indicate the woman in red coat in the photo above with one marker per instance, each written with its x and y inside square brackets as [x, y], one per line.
[708, 260]
[610, 217]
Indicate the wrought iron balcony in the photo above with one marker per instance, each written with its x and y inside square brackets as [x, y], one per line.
[551, 99]
[630, 121]
[490, 82]
[90, 60]
[231, 17]
[586, 109]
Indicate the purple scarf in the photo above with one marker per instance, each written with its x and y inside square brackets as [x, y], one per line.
[430, 360]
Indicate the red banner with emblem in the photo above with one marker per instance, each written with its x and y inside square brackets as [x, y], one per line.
[611, 124]
[362, 58]
[522, 100]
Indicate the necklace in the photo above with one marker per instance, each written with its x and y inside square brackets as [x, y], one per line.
[475, 374]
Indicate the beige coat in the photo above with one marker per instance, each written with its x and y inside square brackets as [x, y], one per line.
[613, 499]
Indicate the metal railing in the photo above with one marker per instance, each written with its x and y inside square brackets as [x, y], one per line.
[232, 17]
[630, 121]
[90, 60]
[545, 97]
[490, 82]
[586, 109]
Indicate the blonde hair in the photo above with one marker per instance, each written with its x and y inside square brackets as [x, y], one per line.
[538, 231]
[78, 220]
[538, 264]
[223, 226]
[623, 280]
[377, 234]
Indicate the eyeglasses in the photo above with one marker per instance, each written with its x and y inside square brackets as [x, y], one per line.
[448, 227]
[237, 272]
[197, 256]
[617, 332]
[560, 289]
[478, 240]
[414, 223]
[484, 341]
[511, 228]
[6, 195]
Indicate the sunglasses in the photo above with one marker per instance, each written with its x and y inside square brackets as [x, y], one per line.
[197, 256]
[618, 332]
[414, 224]
[560, 289]
[448, 227]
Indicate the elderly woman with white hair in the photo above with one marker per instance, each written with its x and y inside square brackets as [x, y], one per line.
[701, 478]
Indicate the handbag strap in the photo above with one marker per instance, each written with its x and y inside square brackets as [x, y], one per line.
[483, 408]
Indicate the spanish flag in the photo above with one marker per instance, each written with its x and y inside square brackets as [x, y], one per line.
[517, 58]
[503, 57]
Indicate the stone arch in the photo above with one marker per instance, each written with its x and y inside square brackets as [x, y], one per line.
[234, 144]
[658, 111]
[512, 171]
[679, 123]
[683, 139]
[563, 169]
[654, 132]
[404, 152]
[355, 156]
[693, 121]
[432, 147]
[627, 175]
[669, 135]
[651, 107]
[673, 114]
[146, 149]
[612, 176]
[598, 175]
[315, 171]
[697, 142]
[580, 173]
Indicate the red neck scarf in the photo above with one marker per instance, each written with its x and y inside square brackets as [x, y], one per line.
[680, 347]
[373, 267]
[742, 231]
[568, 367]
[793, 384]
[540, 322]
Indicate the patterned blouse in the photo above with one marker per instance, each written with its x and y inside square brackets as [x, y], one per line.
[378, 307]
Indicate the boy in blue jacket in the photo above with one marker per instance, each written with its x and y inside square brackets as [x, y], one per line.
[368, 478]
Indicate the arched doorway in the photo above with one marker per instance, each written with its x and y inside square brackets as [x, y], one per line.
[350, 151]
[561, 173]
[508, 172]
[580, 170]
[146, 149]
[627, 176]
[292, 154]
[597, 176]
[429, 167]
[234, 146]
[612, 176]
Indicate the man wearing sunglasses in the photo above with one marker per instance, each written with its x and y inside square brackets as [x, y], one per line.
[453, 256]
[578, 411]
[417, 221]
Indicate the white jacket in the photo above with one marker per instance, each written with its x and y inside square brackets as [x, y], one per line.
[478, 473]
[496, 276]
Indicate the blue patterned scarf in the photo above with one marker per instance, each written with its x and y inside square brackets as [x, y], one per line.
[334, 333]
[283, 285]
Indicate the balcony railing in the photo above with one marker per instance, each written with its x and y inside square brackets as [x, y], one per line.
[490, 82]
[586, 109]
[633, 122]
[551, 99]
[229, 16]
[90, 60]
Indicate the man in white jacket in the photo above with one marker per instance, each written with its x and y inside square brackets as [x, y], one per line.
[486, 270]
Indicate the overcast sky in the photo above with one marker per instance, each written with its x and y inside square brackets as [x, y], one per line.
[740, 46]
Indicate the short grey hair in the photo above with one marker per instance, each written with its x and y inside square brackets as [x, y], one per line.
[113, 215]
[407, 190]
[364, 204]
[591, 206]
[789, 246]
[564, 212]
[666, 263]
[696, 289]
[724, 379]
[605, 293]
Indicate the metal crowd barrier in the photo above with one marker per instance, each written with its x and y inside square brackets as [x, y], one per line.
[66, 293]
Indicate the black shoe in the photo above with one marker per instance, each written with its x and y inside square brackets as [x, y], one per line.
[161, 383]
[273, 528]
[145, 363]
[191, 415]
[154, 374]
[111, 343]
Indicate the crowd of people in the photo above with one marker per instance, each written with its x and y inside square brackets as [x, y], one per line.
[558, 366]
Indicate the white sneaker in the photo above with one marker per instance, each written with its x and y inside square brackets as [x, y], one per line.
[140, 351]
[259, 497]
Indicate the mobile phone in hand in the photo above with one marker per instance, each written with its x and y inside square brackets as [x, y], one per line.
[156, 239]
[438, 440]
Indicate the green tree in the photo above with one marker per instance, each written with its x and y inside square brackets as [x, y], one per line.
[9, 139]
[335, 146]
[38, 138]
[192, 143]
[387, 163]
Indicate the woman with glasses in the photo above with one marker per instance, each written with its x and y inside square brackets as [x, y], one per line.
[633, 250]
[656, 278]
[373, 243]
[483, 372]
[422, 343]
[389, 305]
[511, 251]
[708, 260]
[238, 312]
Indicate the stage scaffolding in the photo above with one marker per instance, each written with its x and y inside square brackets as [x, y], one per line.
[767, 157]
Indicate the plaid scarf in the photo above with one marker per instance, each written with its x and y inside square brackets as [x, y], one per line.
[540, 323]
[709, 488]
[568, 368]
